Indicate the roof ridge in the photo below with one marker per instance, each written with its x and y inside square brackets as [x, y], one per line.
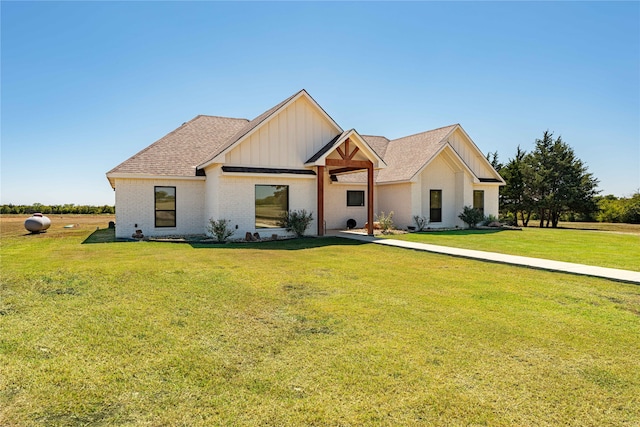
[375, 136]
[426, 131]
[221, 117]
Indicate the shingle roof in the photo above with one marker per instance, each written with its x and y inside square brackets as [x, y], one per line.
[406, 156]
[179, 152]
[378, 143]
[200, 140]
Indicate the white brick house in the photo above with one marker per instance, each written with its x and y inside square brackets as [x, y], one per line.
[295, 156]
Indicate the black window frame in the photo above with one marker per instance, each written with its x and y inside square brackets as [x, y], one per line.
[435, 213]
[274, 219]
[480, 208]
[156, 210]
[353, 192]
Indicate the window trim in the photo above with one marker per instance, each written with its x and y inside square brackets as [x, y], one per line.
[358, 205]
[156, 210]
[255, 205]
[432, 209]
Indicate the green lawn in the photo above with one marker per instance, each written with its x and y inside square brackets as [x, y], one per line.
[305, 332]
[593, 247]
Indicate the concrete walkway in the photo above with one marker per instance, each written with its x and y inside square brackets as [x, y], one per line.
[543, 264]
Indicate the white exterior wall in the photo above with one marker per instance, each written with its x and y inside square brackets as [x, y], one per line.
[439, 175]
[287, 140]
[473, 159]
[491, 201]
[336, 211]
[135, 204]
[399, 199]
[235, 194]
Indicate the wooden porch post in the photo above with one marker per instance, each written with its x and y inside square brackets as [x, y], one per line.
[370, 199]
[320, 191]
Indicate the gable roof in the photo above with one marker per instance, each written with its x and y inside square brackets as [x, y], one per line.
[180, 151]
[201, 141]
[338, 140]
[263, 118]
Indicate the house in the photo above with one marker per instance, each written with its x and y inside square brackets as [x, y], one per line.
[295, 156]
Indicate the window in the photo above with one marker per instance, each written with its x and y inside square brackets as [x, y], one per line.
[165, 206]
[478, 200]
[435, 205]
[355, 198]
[272, 201]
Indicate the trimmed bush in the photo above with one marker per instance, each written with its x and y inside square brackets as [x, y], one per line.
[296, 221]
[220, 229]
[471, 216]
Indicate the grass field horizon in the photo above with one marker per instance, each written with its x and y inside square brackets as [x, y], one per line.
[303, 332]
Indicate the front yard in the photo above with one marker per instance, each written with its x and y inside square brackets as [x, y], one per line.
[614, 249]
[304, 332]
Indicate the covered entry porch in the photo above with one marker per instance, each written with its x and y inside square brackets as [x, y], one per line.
[347, 153]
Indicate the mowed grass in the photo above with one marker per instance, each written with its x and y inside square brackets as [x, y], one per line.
[606, 246]
[305, 332]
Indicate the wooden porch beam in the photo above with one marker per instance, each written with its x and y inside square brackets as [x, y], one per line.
[320, 192]
[370, 199]
[339, 150]
[353, 153]
[360, 164]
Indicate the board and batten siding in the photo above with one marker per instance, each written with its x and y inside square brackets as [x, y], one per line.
[287, 140]
[135, 204]
[470, 155]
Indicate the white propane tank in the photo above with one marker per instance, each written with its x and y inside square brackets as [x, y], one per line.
[37, 223]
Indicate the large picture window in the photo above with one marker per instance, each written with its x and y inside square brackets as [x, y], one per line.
[272, 201]
[435, 205]
[165, 206]
[478, 200]
[355, 198]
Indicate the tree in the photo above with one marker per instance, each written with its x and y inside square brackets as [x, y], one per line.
[493, 159]
[514, 196]
[558, 181]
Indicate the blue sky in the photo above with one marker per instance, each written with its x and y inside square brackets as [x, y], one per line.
[85, 85]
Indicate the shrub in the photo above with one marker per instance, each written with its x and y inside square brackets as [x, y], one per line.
[386, 222]
[471, 216]
[296, 221]
[421, 222]
[221, 229]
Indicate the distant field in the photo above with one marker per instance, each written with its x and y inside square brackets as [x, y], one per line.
[609, 245]
[317, 331]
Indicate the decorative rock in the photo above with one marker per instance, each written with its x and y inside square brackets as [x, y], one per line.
[256, 237]
[138, 235]
[248, 237]
[376, 225]
[495, 224]
[274, 237]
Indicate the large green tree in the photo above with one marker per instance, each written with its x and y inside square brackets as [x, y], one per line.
[557, 181]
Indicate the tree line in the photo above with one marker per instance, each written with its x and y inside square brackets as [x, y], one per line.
[551, 183]
[56, 209]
